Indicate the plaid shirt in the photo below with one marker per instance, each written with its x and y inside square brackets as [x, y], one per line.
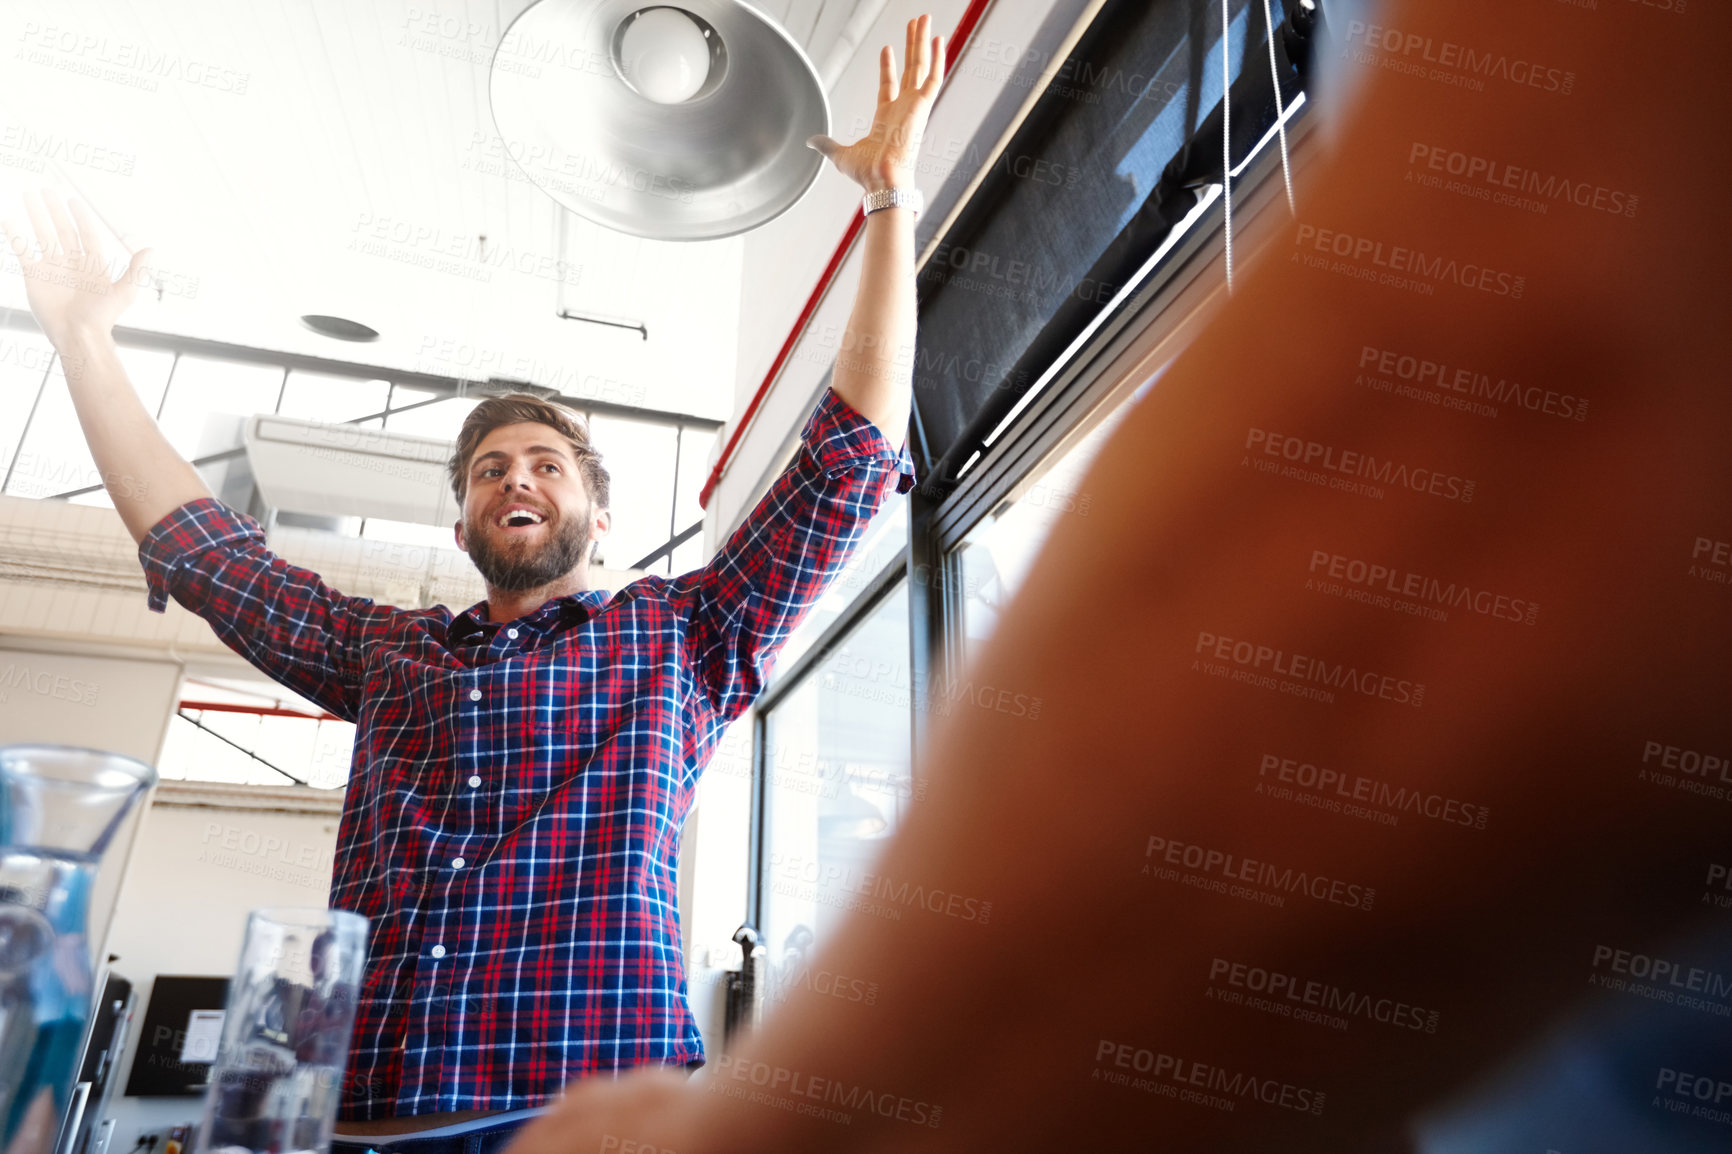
[517, 791]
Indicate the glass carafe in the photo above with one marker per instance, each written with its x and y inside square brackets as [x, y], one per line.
[60, 808]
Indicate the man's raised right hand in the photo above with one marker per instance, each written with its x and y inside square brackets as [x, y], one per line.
[66, 277]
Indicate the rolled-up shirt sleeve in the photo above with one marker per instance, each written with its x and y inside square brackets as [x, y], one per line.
[281, 618]
[798, 537]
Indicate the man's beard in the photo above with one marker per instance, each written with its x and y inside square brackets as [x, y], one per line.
[520, 569]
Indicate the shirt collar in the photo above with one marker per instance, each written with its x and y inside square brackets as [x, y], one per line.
[472, 627]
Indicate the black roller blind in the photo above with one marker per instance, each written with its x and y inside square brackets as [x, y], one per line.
[1090, 185]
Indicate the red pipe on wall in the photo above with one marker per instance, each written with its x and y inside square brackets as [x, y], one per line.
[953, 50]
[259, 710]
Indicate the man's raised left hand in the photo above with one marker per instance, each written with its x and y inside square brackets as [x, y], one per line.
[884, 157]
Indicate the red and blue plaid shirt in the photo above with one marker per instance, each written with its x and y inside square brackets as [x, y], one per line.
[517, 791]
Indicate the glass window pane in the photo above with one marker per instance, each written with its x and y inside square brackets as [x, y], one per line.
[189, 754]
[689, 556]
[316, 751]
[1001, 550]
[442, 420]
[99, 498]
[317, 397]
[208, 403]
[695, 446]
[53, 457]
[409, 533]
[639, 458]
[148, 370]
[24, 358]
[883, 540]
[837, 756]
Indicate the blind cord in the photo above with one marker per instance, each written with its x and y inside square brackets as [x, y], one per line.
[1280, 112]
[1227, 138]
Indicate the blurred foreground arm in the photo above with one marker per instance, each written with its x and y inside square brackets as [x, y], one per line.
[1208, 642]
[67, 282]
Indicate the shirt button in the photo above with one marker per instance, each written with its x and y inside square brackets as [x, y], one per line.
[475, 783]
[511, 633]
[456, 863]
[437, 951]
[475, 695]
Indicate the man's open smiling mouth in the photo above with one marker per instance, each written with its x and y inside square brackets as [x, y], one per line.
[519, 517]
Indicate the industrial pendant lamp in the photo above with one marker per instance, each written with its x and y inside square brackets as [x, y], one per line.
[674, 122]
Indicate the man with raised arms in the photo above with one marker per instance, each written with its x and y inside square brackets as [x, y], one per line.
[521, 769]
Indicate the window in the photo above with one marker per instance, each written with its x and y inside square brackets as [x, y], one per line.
[316, 397]
[53, 457]
[209, 744]
[442, 419]
[882, 543]
[207, 405]
[1003, 547]
[208, 401]
[410, 533]
[837, 785]
[639, 460]
[696, 445]
[25, 359]
[688, 556]
[202, 394]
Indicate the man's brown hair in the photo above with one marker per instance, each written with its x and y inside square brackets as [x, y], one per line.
[514, 408]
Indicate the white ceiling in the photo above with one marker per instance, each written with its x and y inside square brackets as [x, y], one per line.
[292, 156]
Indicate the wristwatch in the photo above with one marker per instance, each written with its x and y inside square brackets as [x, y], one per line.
[910, 198]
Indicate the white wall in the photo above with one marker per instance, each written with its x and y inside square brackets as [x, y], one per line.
[120, 705]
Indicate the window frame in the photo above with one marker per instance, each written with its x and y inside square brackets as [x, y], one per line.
[880, 589]
[876, 591]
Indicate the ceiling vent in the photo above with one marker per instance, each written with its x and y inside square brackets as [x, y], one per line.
[339, 328]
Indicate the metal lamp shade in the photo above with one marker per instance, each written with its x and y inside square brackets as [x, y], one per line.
[730, 158]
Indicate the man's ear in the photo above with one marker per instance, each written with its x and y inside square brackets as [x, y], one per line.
[460, 545]
[603, 523]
